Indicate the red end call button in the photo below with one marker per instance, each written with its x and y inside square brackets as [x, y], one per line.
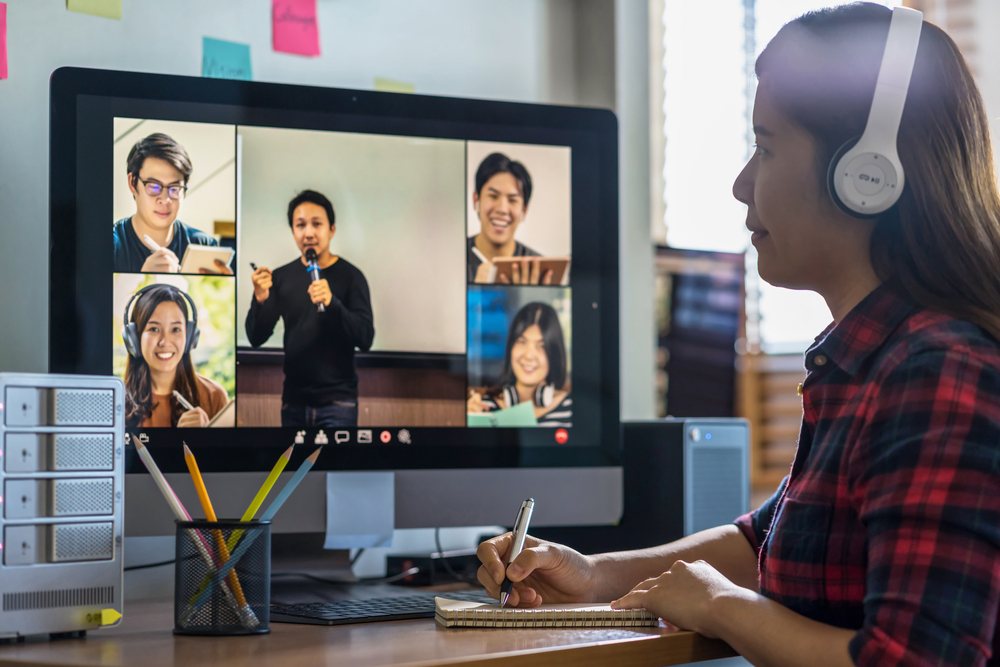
[385, 437]
[562, 436]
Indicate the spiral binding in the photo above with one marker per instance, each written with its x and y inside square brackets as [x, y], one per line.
[553, 618]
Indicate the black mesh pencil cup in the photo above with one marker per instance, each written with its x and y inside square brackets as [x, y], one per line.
[222, 578]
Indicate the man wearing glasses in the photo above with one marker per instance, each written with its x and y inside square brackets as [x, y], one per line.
[152, 239]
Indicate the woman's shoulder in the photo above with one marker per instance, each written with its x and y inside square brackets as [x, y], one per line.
[212, 395]
[930, 333]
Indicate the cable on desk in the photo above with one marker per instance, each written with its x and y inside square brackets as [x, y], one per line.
[444, 561]
[149, 565]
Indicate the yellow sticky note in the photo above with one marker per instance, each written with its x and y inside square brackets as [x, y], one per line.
[390, 86]
[109, 616]
[109, 9]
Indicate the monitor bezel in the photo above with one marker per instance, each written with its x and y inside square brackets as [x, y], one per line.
[67, 347]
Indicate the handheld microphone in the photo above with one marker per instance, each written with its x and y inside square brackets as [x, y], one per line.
[313, 261]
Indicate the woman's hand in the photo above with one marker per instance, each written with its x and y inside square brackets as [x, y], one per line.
[195, 417]
[475, 403]
[542, 572]
[682, 596]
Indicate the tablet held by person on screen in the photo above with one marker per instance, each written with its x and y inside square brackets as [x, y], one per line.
[321, 382]
[153, 239]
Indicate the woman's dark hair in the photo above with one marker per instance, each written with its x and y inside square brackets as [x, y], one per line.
[138, 386]
[941, 243]
[498, 163]
[552, 338]
[311, 197]
[161, 146]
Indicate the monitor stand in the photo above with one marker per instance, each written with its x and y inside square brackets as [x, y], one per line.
[329, 572]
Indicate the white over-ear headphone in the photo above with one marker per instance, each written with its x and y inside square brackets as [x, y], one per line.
[866, 179]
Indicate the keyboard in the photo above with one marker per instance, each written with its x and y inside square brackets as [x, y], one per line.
[342, 612]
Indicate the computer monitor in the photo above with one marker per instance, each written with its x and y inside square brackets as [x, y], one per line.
[269, 264]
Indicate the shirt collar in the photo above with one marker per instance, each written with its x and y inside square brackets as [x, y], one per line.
[850, 342]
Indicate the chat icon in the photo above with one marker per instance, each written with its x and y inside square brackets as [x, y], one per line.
[341, 436]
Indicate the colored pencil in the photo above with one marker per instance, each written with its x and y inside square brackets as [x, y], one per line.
[267, 516]
[181, 514]
[206, 504]
[255, 504]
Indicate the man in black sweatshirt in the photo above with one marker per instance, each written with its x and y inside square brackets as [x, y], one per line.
[321, 383]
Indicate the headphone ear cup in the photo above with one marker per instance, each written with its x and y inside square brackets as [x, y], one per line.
[194, 335]
[835, 168]
[510, 396]
[130, 336]
[544, 393]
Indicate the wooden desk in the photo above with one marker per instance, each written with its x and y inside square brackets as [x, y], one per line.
[144, 639]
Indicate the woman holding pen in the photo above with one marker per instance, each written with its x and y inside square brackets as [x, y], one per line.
[882, 545]
[161, 387]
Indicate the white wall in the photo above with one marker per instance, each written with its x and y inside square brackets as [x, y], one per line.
[399, 204]
[450, 47]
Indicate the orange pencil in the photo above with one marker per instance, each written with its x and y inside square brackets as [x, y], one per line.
[206, 504]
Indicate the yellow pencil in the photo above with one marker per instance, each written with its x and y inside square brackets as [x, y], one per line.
[255, 504]
[261, 496]
[206, 503]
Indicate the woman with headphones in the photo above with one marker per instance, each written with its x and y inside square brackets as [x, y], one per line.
[159, 336]
[534, 369]
[882, 545]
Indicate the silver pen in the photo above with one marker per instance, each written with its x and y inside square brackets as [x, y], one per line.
[183, 401]
[520, 532]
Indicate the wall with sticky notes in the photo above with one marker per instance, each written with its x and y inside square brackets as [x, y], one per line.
[547, 51]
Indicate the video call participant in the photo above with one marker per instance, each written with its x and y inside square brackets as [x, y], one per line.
[534, 369]
[503, 190]
[321, 382]
[152, 240]
[159, 336]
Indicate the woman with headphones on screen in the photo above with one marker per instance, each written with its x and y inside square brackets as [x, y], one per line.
[534, 369]
[882, 546]
[159, 338]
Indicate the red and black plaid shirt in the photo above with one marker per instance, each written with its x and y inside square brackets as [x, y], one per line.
[889, 522]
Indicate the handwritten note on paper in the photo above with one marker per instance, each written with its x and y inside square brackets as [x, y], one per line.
[225, 60]
[294, 27]
[3, 40]
[109, 9]
[390, 86]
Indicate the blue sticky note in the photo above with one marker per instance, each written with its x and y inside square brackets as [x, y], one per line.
[360, 509]
[225, 60]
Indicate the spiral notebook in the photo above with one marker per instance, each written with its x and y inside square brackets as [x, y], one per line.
[458, 614]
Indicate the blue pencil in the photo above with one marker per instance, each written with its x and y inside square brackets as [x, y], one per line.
[248, 541]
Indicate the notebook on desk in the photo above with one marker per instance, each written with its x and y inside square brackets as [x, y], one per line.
[460, 614]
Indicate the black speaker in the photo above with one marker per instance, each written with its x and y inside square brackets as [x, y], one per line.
[681, 476]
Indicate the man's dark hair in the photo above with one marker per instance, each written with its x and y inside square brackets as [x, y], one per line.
[161, 146]
[498, 163]
[311, 197]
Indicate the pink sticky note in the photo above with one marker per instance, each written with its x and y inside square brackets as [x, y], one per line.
[3, 40]
[294, 26]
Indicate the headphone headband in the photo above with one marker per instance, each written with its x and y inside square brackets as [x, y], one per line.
[866, 178]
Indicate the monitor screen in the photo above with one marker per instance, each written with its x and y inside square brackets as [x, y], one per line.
[414, 282]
